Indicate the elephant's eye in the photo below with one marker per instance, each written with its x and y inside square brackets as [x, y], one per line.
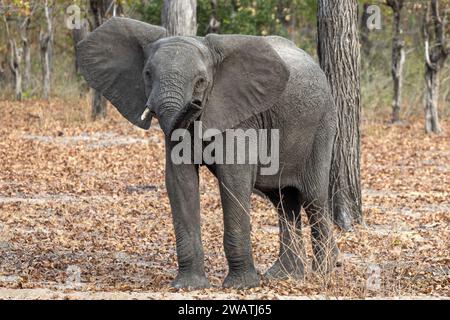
[148, 74]
[200, 85]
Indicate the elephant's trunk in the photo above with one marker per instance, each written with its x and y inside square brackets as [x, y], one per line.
[173, 111]
[168, 106]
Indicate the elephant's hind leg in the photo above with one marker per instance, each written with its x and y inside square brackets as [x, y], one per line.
[315, 204]
[314, 192]
[289, 263]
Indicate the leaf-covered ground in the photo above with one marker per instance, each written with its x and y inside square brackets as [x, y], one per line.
[83, 209]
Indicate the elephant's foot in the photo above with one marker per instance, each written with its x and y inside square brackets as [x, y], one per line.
[283, 270]
[242, 280]
[190, 281]
[325, 263]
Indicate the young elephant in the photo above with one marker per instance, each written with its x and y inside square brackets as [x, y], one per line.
[229, 81]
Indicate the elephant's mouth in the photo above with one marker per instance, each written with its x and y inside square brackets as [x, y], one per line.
[186, 116]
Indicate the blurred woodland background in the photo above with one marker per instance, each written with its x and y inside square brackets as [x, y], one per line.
[36, 33]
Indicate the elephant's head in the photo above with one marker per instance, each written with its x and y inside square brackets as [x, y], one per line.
[222, 80]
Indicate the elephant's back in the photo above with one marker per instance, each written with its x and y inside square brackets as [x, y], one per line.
[307, 93]
[302, 109]
[295, 58]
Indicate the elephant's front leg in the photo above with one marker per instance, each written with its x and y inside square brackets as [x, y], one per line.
[183, 189]
[236, 185]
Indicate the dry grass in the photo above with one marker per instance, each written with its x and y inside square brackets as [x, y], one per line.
[87, 200]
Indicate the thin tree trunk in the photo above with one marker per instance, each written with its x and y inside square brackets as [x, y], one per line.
[99, 9]
[98, 104]
[27, 65]
[339, 55]
[27, 56]
[16, 68]
[431, 101]
[214, 23]
[2, 72]
[179, 17]
[46, 42]
[398, 57]
[436, 52]
[77, 36]
[24, 32]
[15, 61]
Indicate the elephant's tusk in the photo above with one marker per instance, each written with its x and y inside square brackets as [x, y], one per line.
[145, 114]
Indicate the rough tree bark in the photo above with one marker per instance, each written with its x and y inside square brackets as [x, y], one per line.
[46, 43]
[398, 56]
[15, 64]
[179, 17]
[339, 55]
[15, 61]
[24, 32]
[436, 51]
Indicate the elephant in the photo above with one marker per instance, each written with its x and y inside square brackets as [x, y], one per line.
[226, 82]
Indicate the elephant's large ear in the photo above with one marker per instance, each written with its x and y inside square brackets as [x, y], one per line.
[250, 76]
[112, 59]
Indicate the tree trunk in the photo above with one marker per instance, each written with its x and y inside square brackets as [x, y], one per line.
[338, 50]
[99, 10]
[46, 43]
[431, 101]
[179, 17]
[398, 57]
[436, 51]
[16, 68]
[77, 36]
[98, 104]
[27, 65]
[2, 72]
[26, 53]
[24, 32]
[214, 23]
[15, 61]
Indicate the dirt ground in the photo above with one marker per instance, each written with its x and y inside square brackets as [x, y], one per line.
[84, 214]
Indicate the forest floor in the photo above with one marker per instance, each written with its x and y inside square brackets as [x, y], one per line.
[84, 214]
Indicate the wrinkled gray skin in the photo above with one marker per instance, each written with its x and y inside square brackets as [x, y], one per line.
[228, 81]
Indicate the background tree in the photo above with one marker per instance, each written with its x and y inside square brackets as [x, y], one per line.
[366, 45]
[436, 51]
[338, 50]
[398, 56]
[46, 44]
[101, 11]
[14, 61]
[179, 17]
[16, 24]
[78, 34]
[98, 102]
[293, 19]
[24, 35]
[214, 23]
